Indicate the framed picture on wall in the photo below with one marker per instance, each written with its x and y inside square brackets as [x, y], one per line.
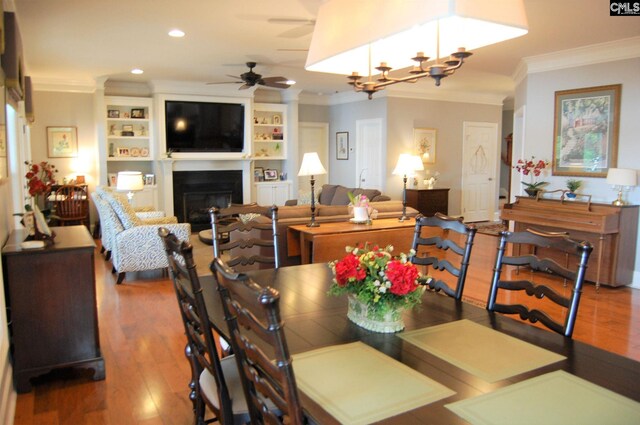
[585, 136]
[342, 145]
[62, 142]
[424, 140]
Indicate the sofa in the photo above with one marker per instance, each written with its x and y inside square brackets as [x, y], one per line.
[335, 194]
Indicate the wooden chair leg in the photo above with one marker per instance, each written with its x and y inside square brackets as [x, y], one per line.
[107, 256]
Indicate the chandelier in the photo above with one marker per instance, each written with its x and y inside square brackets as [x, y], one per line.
[352, 35]
[437, 71]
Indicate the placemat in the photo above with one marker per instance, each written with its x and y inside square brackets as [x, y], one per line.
[358, 385]
[553, 398]
[481, 351]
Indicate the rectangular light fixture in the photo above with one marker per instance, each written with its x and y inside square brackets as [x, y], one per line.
[357, 35]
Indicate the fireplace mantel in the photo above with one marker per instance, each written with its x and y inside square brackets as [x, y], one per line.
[169, 165]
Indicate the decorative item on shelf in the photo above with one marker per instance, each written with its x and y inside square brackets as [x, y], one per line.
[149, 179]
[406, 166]
[277, 119]
[144, 152]
[283, 176]
[621, 180]
[112, 130]
[137, 113]
[124, 152]
[130, 181]
[270, 174]
[343, 45]
[573, 185]
[258, 174]
[135, 151]
[113, 113]
[379, 286]
[143, 130]
[112, 149]
[532, 168]
[169, 153]
[361, 209]
[276, 134]
[311, 166]
[127, 130]
[431, 179]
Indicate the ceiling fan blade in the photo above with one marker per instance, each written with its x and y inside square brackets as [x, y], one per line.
[274, 79]
[245, 86]
[274, 85]
[226, 82]
[234, 76]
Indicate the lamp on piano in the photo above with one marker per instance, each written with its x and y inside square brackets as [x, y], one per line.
[622, 179]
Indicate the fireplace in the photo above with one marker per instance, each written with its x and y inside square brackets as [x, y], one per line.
[194, 192]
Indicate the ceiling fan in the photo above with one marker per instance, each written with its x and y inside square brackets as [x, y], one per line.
[250, 79]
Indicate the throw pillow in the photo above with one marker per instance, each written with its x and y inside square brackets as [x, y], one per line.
[327, 193]
[341, 197]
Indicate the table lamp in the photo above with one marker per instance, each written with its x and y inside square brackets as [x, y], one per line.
[311, 166]
[406, 167]
[622, 179]
[130, 181]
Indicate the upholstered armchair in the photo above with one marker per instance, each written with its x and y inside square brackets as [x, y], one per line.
[134, 241]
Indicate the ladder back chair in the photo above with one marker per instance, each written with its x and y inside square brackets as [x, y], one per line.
[440, 259]
[546, 250]
[247, 235]
[215, 382]
[71, 205]
[253, 317]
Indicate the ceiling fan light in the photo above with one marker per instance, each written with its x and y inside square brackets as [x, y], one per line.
[290, 82]
[137, 71]
[176, 33]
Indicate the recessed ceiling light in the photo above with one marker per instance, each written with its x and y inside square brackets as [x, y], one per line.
[137, 71]
[176, 33]
[290, 82]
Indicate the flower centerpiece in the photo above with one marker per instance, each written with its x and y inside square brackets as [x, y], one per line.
[360, 204]
[532, 168]
[379, 286]
[40, 177]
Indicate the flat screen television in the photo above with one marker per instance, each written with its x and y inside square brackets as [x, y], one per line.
[204, 126]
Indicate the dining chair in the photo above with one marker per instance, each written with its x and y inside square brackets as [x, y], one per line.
[252, 314]
[215, 382]
[542, 254]
[436, 256]
[71, 205]
[247, 236]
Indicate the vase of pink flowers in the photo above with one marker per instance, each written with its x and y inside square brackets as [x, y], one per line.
[360, 205]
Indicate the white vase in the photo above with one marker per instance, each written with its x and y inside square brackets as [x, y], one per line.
[360, 214]
[360, 314]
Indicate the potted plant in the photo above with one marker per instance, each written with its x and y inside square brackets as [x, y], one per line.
[532, 168]
[573, 185]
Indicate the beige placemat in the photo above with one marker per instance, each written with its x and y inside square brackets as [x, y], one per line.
[358, 385]
[553, 398]
[481, 351]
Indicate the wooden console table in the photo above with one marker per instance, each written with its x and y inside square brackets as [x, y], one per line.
[51, 299]
[612, 231]
[429, 201]
[328, 241]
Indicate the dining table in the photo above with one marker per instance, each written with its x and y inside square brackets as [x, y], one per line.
[466, 392]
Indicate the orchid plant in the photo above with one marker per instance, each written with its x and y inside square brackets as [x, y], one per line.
[532, 168]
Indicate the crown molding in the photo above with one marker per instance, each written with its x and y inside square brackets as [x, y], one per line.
[61, 85]
[627, 48]
[199, 88]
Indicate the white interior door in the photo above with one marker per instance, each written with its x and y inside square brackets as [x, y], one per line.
[479, 169]
[369, 154]
[312, 137]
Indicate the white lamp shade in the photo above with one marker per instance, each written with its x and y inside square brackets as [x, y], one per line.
[393, 31]
[130, 181]
[311, 165]
[622, 177]
[407, 165]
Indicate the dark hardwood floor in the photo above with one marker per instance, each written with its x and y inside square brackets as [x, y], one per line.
[146, 371]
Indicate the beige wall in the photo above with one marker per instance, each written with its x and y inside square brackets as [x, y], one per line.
[58, 109]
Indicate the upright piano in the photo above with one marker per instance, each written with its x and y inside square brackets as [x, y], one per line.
[612, 230]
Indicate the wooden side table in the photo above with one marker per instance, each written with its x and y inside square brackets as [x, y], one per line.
[51, 300]
[429, 201]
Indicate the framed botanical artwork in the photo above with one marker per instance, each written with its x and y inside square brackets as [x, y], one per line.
[585, 135]
[270, 174]
[137, 113]
[424, 140]
[342, 145]
[62, 142]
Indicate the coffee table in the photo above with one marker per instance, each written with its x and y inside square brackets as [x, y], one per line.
[328, 241]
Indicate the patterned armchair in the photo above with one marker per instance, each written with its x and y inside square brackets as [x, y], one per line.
[133, 237]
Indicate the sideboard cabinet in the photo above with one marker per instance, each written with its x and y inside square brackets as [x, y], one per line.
[51, 305]
[429, 201]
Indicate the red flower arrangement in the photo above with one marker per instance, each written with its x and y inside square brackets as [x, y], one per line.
[40, 178]
[533, 169]
[378, 279]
